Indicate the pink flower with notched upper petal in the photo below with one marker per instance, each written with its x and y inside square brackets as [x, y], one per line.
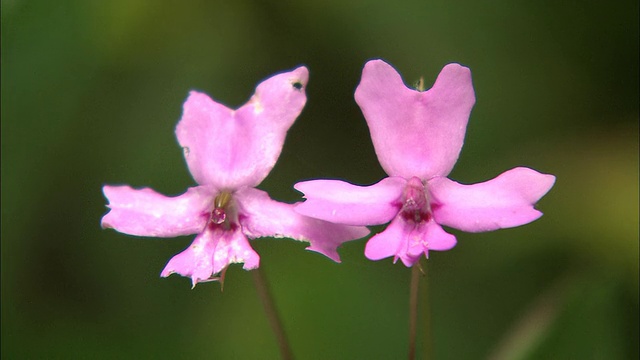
[417, 136]
[228, 152]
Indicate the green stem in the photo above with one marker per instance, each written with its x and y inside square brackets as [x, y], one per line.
[413, 310]
[272, 314]
[427, 348]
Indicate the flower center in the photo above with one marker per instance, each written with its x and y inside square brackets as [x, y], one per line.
[222, 210]
[416, 206]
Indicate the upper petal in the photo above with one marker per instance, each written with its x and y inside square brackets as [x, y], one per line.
[503, 202]
[261, 216]
[234, 148]
[416, 133]
[343, 203]
[144, 212]
[408, 241]
[210, 253]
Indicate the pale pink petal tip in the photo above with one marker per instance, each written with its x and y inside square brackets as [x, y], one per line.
[195, 262]
[144, 212]
[210, 253]
[503, 202]
[264, 217]
[325, 237]
[343, 203]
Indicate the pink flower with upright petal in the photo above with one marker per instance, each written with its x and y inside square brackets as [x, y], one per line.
[228, 152]
[417, 136]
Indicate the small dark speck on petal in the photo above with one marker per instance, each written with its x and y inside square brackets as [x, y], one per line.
[297, 85]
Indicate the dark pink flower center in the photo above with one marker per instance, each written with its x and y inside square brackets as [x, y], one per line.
[218, 216]
[224, 212]
[416, 206]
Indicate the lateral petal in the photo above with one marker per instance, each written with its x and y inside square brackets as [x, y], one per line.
[233, 148]
[144, 212]
[343, 203]
[260, 216]
[210, 253]
[503, 202]
[416, 133]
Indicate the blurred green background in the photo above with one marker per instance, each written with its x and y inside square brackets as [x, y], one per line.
[92, 91]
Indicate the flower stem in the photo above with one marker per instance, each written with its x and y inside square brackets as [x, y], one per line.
[413, 310]
[425, 317]
[416, 291]
[272, 314]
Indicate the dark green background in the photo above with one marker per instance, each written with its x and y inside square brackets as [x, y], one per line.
[92, 91]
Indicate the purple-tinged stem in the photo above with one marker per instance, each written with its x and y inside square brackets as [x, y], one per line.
[272, 314]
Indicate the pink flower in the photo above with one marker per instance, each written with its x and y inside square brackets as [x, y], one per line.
[229, 152]
[417, 136]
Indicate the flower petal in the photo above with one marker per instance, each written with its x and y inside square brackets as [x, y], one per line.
[230, 149]
[210, 253]
[407, 241]
[343, 203]
[144, 212]
[503, 202]
[261, 216]
[416, 133]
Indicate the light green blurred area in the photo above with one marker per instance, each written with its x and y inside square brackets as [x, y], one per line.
[92, 91]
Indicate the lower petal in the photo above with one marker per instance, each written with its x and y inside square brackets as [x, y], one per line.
[260, 216]
[408, 241]
[438, 239]
[504, 202]
[144, 212]
[386, 243]
[210, 253]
